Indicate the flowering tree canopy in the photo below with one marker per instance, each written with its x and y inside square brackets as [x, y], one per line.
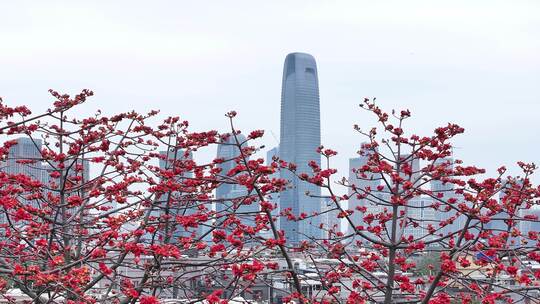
[146, 224]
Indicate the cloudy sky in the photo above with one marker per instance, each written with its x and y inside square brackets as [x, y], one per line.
[475, 63]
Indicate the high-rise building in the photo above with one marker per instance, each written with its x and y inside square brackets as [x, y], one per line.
[366, 185]
[76, 168]
[420, 212]
[274, 197]
[274, 152]
[229, 196]
[300, 135]
[445, 191]
[227, 151]
[19, 162]
[26, 149]
[530, 225]
[414, 164]
[25, 158]
[419, 208]
[331, 223]
[503, 222]
[172, 203]
[438, 186]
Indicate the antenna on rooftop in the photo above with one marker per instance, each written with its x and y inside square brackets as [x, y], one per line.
[452, 149]
[274, 136]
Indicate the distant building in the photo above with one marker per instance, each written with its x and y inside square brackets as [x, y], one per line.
[414, 163]
[26, 149]
[274, 198]
[438, 186]
[532, 225]
[365, 186]
[529, 225]
[229, 194]
[417, 208]
[419, 211]
[442, 192]
[524, 221]
[500, 221]
[228, 151]
[300, 135]
[330, 221]
[175, 203]
[274, 152]
[74, 169]
[25, 158]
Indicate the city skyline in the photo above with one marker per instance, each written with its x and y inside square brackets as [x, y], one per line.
[479, 72]
[350, 151]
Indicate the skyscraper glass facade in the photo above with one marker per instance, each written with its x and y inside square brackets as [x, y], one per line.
[300, 135]
[173, 204]
[230, 196]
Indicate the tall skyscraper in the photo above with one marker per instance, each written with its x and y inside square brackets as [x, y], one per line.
[26, 149]
[413, 163]
[172, 203]
[530, 225]
[362, 184]
[437, 186]
[445, 191]
[300, 135]
[228, 151]
[330, 221]
[274, 152]
[499, 222]
[274, 198]
[29, 149]
[229, 195]
[420, 212]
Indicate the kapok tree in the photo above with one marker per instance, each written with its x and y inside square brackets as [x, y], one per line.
[144, 223]
[411, 201]
[113, 209]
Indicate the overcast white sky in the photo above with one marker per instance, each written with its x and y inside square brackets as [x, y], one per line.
[475, 63]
